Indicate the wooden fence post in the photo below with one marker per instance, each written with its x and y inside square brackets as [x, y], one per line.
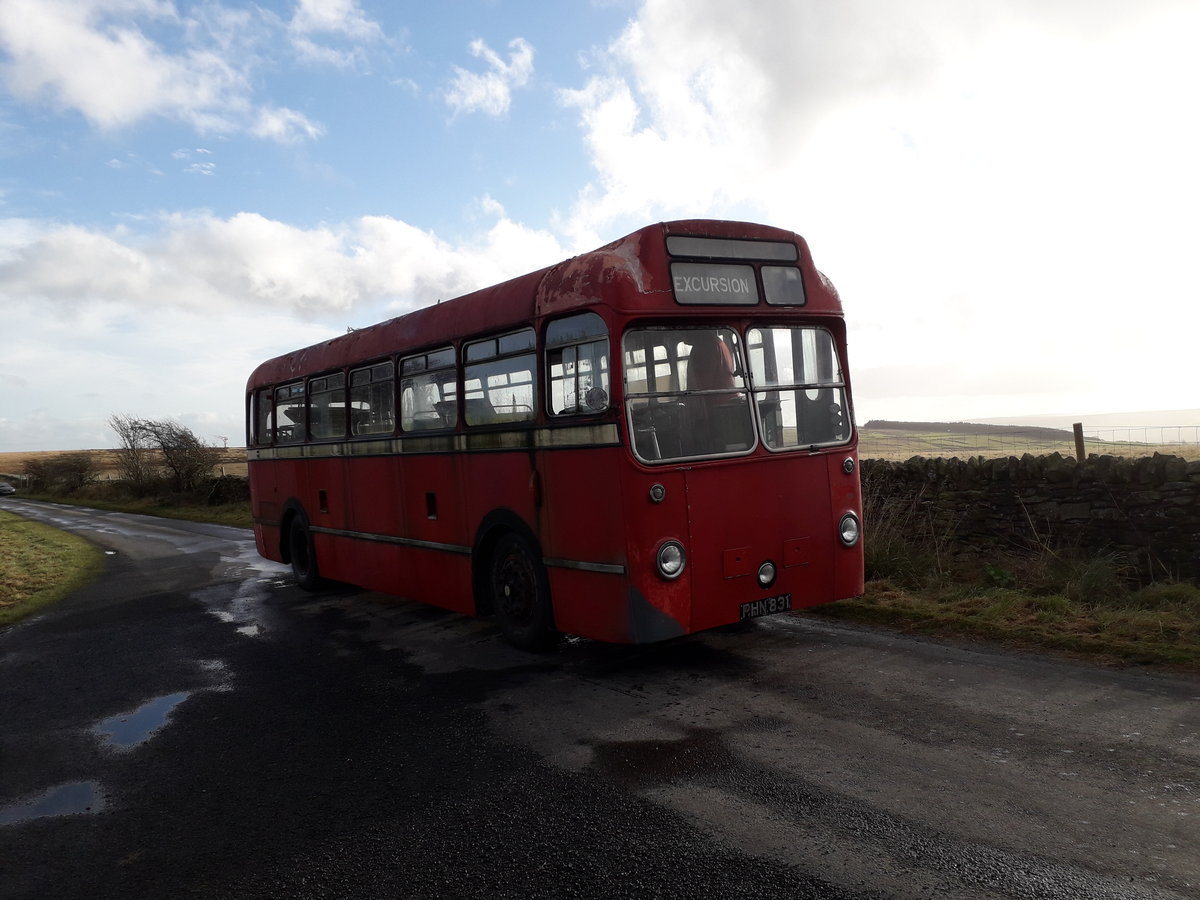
[1079, 454]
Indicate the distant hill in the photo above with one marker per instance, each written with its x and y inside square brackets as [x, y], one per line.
[1162, 418]
[1034, 432]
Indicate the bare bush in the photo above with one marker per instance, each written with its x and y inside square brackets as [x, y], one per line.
[66, 473]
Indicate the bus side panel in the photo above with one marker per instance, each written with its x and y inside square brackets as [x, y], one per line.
[590, 604]
[264, 508]
[493, 480]
[273, 484]
[430, 500]
[846, 496]
[437, 578]
[584, 522]
[417, 497]
[658, 608]
[372, 485]
[414, 573]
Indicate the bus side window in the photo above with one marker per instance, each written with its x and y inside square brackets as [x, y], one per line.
[289, 413]
[577, 370]
[428, 391]
[373, 400]
[498, 380]
[327, 406]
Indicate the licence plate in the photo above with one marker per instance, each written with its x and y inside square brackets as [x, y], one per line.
[766, 606]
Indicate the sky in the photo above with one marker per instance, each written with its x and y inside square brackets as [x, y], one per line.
[1005, 192]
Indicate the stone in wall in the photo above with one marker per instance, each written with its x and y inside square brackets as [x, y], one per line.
[1148, 507]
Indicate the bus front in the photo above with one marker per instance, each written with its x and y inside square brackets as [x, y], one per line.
[742, 489]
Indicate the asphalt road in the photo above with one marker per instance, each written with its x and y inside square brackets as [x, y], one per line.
[193, 725]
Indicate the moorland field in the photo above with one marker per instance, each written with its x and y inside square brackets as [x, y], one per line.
[877, 440]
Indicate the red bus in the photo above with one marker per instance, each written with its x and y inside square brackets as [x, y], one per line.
[643, 441]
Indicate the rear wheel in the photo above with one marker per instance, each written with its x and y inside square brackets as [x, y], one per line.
[521, 595]
[304, 560]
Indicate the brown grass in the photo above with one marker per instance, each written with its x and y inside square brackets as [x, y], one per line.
[233, 461]
[902, 444]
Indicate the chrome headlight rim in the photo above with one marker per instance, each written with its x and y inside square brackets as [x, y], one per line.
[849, 530]
[670, 559]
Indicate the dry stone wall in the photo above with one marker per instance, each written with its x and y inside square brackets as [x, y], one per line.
[1147, 507]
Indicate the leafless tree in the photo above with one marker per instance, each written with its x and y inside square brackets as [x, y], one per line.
[136, 456]
[148, 445]
[185, 456]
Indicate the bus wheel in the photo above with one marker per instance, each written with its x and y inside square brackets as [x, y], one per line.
[304, 560]
[521, 595]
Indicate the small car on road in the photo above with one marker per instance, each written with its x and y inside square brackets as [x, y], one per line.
[6, 488]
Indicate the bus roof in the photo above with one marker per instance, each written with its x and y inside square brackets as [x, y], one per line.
[631, 275]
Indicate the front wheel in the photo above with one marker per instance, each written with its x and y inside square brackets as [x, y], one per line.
[304, 560]
[521, 595]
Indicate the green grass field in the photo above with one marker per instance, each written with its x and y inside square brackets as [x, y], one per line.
[40, 565]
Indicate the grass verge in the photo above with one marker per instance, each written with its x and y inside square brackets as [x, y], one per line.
[40, 565]
[1073, 601]
[1157, 625]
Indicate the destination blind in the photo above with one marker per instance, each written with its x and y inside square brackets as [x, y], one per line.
[710, 283]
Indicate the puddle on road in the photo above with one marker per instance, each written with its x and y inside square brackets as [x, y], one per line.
[65, 800]
[243, 604]
[130, 729]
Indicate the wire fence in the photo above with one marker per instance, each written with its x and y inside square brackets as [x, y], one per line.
[967, 440]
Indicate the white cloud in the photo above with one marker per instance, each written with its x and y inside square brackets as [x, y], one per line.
[316, 22]
[490, 92]
[285, 125]
[198, 261]
[95, 57]
[990, 186]
[170, 322]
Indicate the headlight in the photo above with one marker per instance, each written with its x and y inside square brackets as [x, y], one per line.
[849, 530]
[671, 559]
[766, 574]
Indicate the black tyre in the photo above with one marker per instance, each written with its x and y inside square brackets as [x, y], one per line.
[304, 559]
[521, 595]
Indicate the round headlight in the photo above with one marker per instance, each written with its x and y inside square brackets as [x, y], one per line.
[671, 559]
[766, 574]
[849, 530]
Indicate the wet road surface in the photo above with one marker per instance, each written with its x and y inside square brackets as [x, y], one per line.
[194, 725]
